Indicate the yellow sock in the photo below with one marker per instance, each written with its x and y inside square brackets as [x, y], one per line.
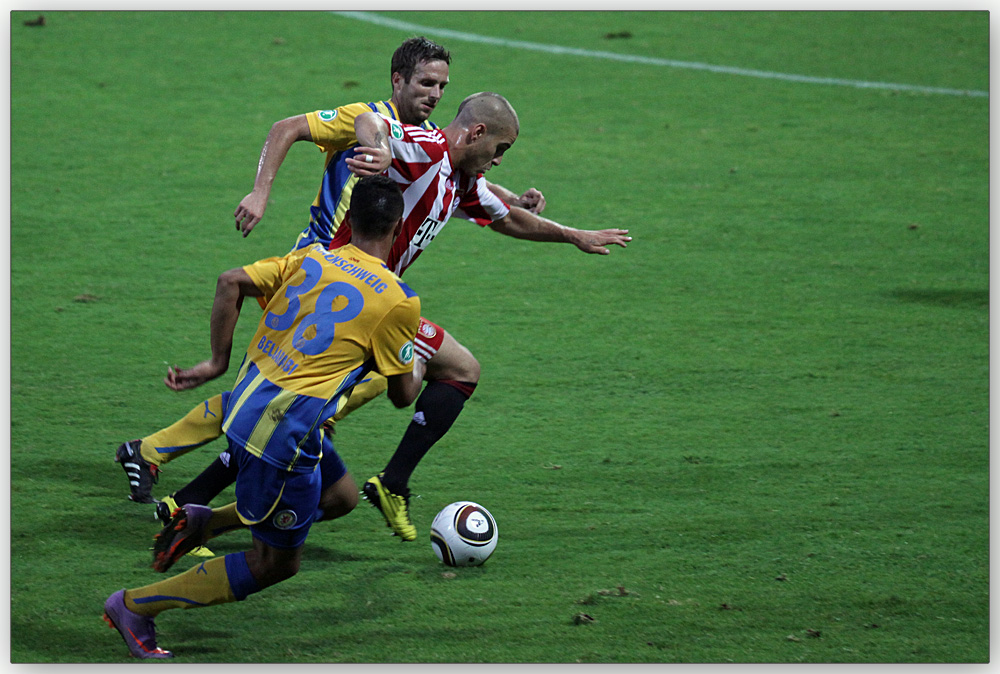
[367, 390]
[224, 519]
[204, 585]
[198, 427]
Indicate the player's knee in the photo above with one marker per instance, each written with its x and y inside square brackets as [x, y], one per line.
[339, 504]
[340, 498]
[269, 570]
[472, 374]
[466, 368]
[337, 510]
[453, 361]
[349, 501]
[281, 571]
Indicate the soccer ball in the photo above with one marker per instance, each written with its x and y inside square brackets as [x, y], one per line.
[464, 534]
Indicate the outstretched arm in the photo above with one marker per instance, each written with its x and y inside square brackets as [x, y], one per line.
[522, 224]
[230, 290]
[532, 200]
[279, 139]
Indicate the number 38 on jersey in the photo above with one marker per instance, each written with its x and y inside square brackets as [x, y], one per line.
[316, 331]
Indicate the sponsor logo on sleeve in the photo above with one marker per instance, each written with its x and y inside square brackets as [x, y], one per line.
[397, 130]
[406, 353]
[327, 115]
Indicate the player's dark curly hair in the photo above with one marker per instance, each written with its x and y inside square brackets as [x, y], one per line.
[412, 52]
[376, 206]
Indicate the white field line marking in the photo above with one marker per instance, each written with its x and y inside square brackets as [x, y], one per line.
[646, 60]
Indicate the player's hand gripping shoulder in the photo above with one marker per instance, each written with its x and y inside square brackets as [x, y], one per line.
[369, 161]
[373, 153]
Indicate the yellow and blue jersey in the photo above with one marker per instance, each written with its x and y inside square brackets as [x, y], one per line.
[333, 133]
[331, 317]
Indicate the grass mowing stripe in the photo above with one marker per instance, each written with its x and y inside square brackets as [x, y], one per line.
[647, 60]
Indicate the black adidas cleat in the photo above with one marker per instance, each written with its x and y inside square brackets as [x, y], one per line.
[142, 475]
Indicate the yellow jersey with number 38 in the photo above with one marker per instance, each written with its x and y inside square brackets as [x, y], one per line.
[331, 316]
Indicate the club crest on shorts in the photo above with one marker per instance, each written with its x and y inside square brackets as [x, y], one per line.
[428, 331]
[285, 519]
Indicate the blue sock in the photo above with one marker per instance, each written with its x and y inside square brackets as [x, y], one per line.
[241, 581]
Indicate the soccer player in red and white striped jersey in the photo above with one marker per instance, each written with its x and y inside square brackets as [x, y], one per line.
[440, 172]
[433, 189]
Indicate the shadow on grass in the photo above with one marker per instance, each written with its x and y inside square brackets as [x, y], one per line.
[95, 642]
[195, 638]
[960, 299]
[316, 553]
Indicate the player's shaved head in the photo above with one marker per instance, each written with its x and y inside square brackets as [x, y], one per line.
[490, 109]
[485, 127]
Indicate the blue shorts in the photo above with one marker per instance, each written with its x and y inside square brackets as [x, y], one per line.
[331, 466]
[278, 505]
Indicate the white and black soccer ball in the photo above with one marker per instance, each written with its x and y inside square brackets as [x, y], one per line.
[464, 534]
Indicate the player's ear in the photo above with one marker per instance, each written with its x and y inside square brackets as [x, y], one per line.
[477, 132]
[397, 229]
[397, 81]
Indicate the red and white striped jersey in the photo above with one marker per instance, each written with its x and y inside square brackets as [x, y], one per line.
[433, 191]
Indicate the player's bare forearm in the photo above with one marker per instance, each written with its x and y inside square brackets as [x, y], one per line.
[279, 139]
[373, 153]
[532, 200]
[522, 224]
[225, 313]
[403, 389]
[502, 193]
[183, 379]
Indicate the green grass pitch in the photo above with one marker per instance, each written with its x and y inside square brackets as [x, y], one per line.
[759, 434]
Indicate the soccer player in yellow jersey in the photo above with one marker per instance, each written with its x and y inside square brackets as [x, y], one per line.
[329, 317]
